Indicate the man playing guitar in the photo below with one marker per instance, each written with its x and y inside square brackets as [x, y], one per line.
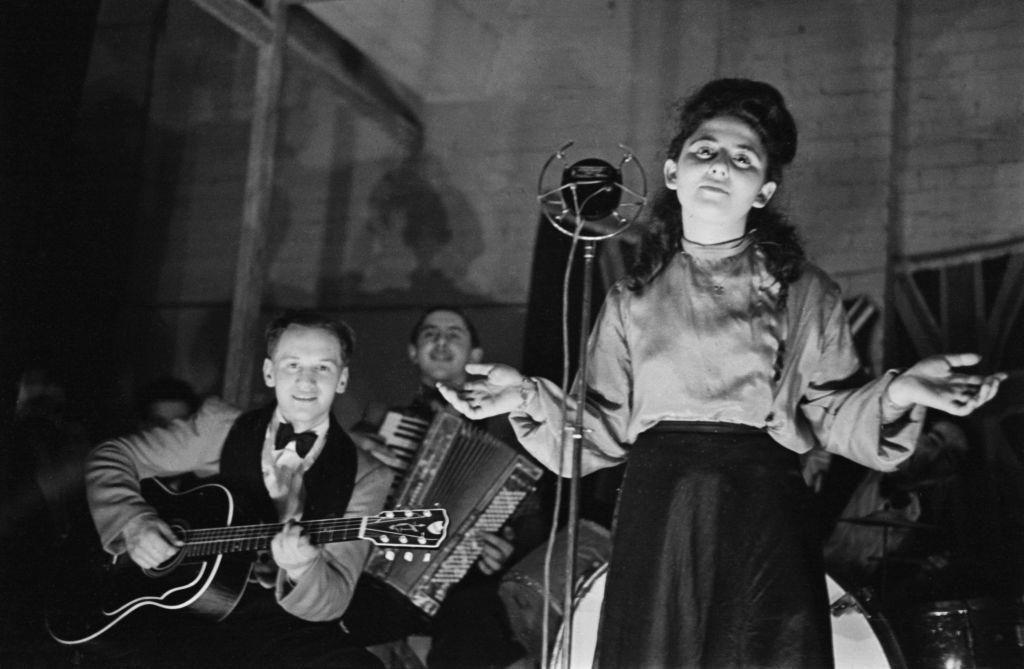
[297, 590]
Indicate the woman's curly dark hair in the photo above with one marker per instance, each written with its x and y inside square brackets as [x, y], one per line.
[763, 108]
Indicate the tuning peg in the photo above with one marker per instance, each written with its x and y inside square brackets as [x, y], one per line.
[426, 557]
[389, 555]
[408, 556]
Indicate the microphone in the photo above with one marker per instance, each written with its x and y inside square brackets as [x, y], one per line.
[590, 195]
[594, 186]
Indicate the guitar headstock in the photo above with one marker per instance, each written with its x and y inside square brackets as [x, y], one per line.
[407, 528]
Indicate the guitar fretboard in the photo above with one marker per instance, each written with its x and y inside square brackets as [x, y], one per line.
[241, 538]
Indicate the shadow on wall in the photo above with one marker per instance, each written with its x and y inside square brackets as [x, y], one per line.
[417, 243]
[312, 190]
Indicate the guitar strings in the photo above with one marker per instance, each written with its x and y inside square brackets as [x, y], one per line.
[326, 526]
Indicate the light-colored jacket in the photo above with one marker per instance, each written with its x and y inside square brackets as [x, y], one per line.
[115, 467]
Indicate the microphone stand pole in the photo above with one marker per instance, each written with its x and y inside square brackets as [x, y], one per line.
[580, 395]
[597, 178]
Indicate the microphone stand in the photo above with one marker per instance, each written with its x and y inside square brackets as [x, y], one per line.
[580, 392]
[572, 523]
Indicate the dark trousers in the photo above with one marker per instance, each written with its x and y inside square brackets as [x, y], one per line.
[470, 631]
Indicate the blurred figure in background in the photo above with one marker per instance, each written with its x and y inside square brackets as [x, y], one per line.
[164, 400]
[895, 519]
[160, 403]
[42, 504]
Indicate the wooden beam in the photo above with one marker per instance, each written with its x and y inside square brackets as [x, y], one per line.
[913, 311]
[358, 81]
[1007, 306]
[899, 134]
[982, 337]
[259, 186]
[964, 255]
[944, 320]
[241, 17]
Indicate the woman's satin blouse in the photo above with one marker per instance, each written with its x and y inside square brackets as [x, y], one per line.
[706, 341]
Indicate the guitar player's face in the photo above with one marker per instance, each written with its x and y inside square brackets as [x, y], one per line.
[306, 372]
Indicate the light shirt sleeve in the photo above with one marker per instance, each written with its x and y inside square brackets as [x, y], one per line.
[114, 468]
[845, 413]
[324, 591]
[539, 424]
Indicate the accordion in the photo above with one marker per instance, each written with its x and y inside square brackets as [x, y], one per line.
[476, 477]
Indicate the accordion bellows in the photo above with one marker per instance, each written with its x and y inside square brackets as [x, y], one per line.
[477, 478]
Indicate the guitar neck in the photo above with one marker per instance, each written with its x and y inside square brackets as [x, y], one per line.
[246, 538]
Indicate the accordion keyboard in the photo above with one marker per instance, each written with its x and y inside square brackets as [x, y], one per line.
[403, 435]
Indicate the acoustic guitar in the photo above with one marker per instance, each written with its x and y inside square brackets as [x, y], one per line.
[210, 571]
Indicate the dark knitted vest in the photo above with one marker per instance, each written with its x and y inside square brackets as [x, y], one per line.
[329, 482]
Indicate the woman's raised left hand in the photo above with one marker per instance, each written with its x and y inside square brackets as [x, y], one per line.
[936, 382]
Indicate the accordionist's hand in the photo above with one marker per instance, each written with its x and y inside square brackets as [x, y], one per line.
[375, 446]
[491, 389]
[496, 549]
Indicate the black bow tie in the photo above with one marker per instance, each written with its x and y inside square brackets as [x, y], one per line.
[303, 440]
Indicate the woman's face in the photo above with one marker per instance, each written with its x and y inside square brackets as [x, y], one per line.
[718, 176]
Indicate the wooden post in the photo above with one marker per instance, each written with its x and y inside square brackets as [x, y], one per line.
[259, 186]
[899, 120]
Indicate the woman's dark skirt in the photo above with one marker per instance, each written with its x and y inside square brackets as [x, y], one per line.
[714, 561]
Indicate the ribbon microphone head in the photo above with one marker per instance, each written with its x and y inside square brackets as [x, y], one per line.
[594, 199]
[593, 187]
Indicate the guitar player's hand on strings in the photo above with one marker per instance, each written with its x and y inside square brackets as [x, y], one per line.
[293, 551]
[150, 541]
